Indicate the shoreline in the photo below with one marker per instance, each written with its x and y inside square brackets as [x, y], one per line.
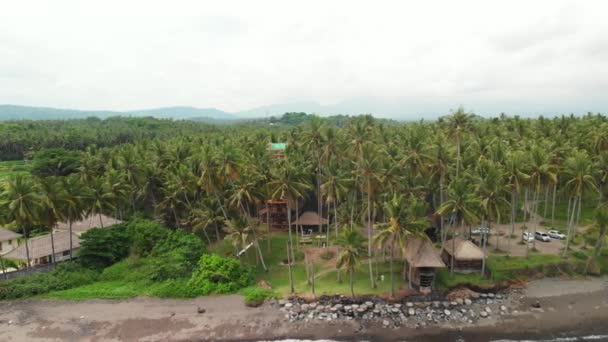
[567, 308]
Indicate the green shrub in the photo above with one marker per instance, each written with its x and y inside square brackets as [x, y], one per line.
[579, 255]
[145, 235]
[100, 248]
[64, 276]
[256, 295]
[216, 274]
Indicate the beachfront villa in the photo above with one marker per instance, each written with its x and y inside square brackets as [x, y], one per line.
[468, 257]
[422, 262]
[41, 250]
[9, 240]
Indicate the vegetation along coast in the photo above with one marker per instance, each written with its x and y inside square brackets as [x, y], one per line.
[345, 228]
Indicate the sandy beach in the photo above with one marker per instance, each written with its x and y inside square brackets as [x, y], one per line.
[568, 307]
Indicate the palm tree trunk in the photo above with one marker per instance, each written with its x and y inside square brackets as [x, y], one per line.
[484, 244]
[257, 245]
[546, 202]
[553, 206]
[391, 268]
[570, 224]
[71, 242]
[336, 219]
[352, 289]
[312, 272]
[535, 218]
[289, 230]
[369, 236]
[525, 205]
[100, 221]
[52, 247]
[289, 269]
[219, 202]
[409, 275]
[513, 204]
[268, 227]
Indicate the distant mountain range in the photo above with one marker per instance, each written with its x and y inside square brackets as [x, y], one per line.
[13, 112]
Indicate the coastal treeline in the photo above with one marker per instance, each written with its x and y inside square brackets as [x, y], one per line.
[378, 183]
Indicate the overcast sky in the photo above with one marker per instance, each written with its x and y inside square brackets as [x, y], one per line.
[401, 57]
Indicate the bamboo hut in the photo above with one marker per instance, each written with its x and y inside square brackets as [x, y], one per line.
[467, 256]
[422, 262]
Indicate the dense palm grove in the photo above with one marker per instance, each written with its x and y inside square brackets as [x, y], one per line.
[384, 181]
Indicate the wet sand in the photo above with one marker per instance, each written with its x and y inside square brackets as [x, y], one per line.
[568, 307]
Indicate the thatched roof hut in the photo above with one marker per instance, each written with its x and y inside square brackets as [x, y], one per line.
[466, 254]
[421, 253]
[310, 218]
[422, 260]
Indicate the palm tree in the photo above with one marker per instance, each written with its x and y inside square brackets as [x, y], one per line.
[461, 206]
[459, 123]
[517, 177]
[491, 191]
[334, 187]
[50, 210]
[241, 231]
[542, 173]
[352, 245]
[21, 207]
[99, 197]
[578, 170]
[74, 204]
[369, 170]
[404, 220]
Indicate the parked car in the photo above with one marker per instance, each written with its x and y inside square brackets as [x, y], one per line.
[527, 237]
[556, 235]
[480, 230]
[542, 236]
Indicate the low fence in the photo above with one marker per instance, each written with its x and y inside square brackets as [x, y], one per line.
[25, 271]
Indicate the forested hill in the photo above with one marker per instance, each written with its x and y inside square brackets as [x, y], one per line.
[12, 112]
[18, 139]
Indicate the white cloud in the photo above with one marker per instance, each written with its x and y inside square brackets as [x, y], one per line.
[490, 56]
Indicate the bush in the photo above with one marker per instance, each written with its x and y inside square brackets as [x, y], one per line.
[255, 295]
[100, 248]
[216, 274]
[175, 256]
[145, 235]
[64, 276]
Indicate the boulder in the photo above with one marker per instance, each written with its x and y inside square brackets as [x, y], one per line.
[467, 301]
[447, 312]
[488, 310]
[411, 311]
[483, 314]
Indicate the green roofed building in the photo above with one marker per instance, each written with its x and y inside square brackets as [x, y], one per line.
[277, 149]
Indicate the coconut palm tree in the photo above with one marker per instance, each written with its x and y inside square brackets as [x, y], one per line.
[369, 171]
[405, 219]
[459, 123]
[461, 206]
[74, 199]
[50, 208]
[21, 206]
[352, 245]
[99, 197]
[333, 189]
[516, 178]
[578, 171]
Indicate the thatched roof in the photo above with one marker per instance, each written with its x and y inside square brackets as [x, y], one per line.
[310, 218]
[421, 253]
[40, 246]
[463, 249]
[87, 223]
[6, 234]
